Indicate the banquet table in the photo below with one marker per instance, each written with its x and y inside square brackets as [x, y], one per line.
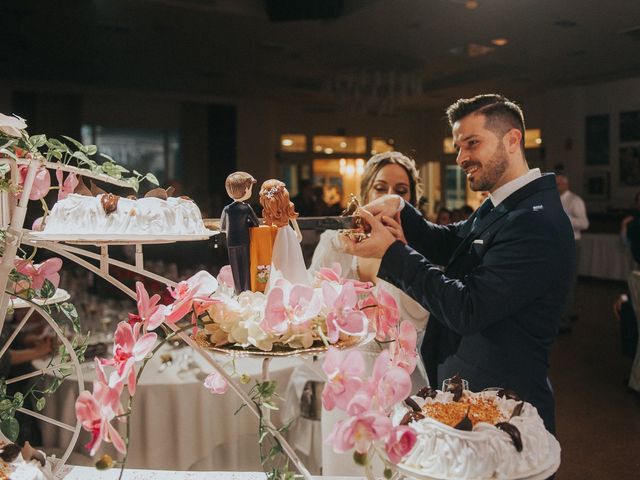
[604, 255]
[177, 424]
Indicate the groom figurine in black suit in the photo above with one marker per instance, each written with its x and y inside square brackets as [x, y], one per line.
[236, 219]
[496, 307]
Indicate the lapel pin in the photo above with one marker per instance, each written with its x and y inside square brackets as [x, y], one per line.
[537, 208]
[478, 241]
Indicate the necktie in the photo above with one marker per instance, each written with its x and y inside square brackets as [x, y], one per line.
[482, 212]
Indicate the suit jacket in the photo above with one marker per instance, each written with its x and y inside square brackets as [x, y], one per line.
[235, 221]
[496, 307]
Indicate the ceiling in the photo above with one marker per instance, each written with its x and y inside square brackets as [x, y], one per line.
[369, 56]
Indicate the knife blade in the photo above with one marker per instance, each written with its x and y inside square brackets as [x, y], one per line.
[327, 223]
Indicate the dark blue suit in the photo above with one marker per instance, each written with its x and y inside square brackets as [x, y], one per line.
[497, 305]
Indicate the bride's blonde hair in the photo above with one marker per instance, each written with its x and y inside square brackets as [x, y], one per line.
[277, 208]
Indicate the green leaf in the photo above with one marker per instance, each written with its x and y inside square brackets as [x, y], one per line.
[11, 428]
[134, 183]
[107, 157]
[4, 169]
[89, 149]
[8, 153]
[37, 140]
[18, 399]
[80, 156]
[151, 178]
[76, 143]
[56, 144]
[3, 387]
[5, 404]
[40, 403]
[57, 154]
[69, 311]
[48, 289]
[111, 169]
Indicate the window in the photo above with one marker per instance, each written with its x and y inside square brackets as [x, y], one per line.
[155, 151]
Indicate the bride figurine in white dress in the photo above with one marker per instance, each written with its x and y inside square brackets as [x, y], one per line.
[384, 173]
[278, 210]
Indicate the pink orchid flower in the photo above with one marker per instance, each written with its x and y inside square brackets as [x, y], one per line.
[343, 378]
[387, 314]
[38, 273]
[129, 347]
[403, 351]
[359, 432]
[343, 316]
[41, 182]
[216, 383]
[95, 412]
[394, 386]
[401, 440]
[333, 274]
[149, 312]
[67, 186]
[290, 306]
[195, 290]
[225, 277]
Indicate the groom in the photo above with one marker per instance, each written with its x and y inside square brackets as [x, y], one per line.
[495, 309]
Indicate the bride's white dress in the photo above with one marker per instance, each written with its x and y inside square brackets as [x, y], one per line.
[326, 254]
[286, 259]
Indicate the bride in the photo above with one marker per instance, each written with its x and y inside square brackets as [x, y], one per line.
[278, 210]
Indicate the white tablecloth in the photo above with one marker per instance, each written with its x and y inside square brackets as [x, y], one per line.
[604, 255]
[84, 473]
[177, 424]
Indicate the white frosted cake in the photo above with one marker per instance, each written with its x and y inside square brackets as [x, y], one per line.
[476, 437]
[13, 465]
[110, 214]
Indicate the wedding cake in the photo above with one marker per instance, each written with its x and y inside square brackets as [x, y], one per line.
[485, 435]
[110, 214]
[14, 466]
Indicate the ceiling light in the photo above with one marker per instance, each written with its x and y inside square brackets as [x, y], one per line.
[500, 42]
[287, 142]
[471, 4]
[538, 140]
[328, 150]
[318, 148]
[343, 144]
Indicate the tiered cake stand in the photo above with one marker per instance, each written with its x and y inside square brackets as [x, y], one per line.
[62, 245]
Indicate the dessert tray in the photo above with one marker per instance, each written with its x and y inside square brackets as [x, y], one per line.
[543, 471]
[61, 295]
[278, 350]
[116, 239]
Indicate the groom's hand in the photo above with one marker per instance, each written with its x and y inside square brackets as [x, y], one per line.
[387, 205]
[376, 244]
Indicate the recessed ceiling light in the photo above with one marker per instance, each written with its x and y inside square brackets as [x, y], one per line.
[343, 144]
[500, 42]
[287, 142]
[471, 4]
[328, 150]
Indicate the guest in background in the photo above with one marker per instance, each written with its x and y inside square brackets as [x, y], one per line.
[576, 210]
[444, 216]
[467, 211]
[630, 230]
[305, 201]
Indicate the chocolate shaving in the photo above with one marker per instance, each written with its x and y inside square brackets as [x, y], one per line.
[455, 387]
[352, 205]
[96, 190]
[158, 192]
[509, 394]
[29, 453]
[411, 403]
[411, 417]
[170, 191]
[81, 188]
[9, 452]
[425, 392]
[511, 430]
[517, 410]
[465, 424]
[109, 202]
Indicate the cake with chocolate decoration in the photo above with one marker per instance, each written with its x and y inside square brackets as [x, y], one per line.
[484, 435]
[22, 463]
[94, 211]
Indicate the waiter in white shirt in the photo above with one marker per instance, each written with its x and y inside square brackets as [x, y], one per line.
[576, 210]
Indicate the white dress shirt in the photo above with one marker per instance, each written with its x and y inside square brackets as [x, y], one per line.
[576, 210]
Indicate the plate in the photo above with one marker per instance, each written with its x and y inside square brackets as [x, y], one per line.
[61, 295]
[117, 239]
[278, 350]
[543, 471]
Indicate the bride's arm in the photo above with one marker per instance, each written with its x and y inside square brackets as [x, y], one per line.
[297, 229]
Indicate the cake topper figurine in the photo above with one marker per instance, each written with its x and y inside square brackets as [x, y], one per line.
[278, 210]
[237, 218]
